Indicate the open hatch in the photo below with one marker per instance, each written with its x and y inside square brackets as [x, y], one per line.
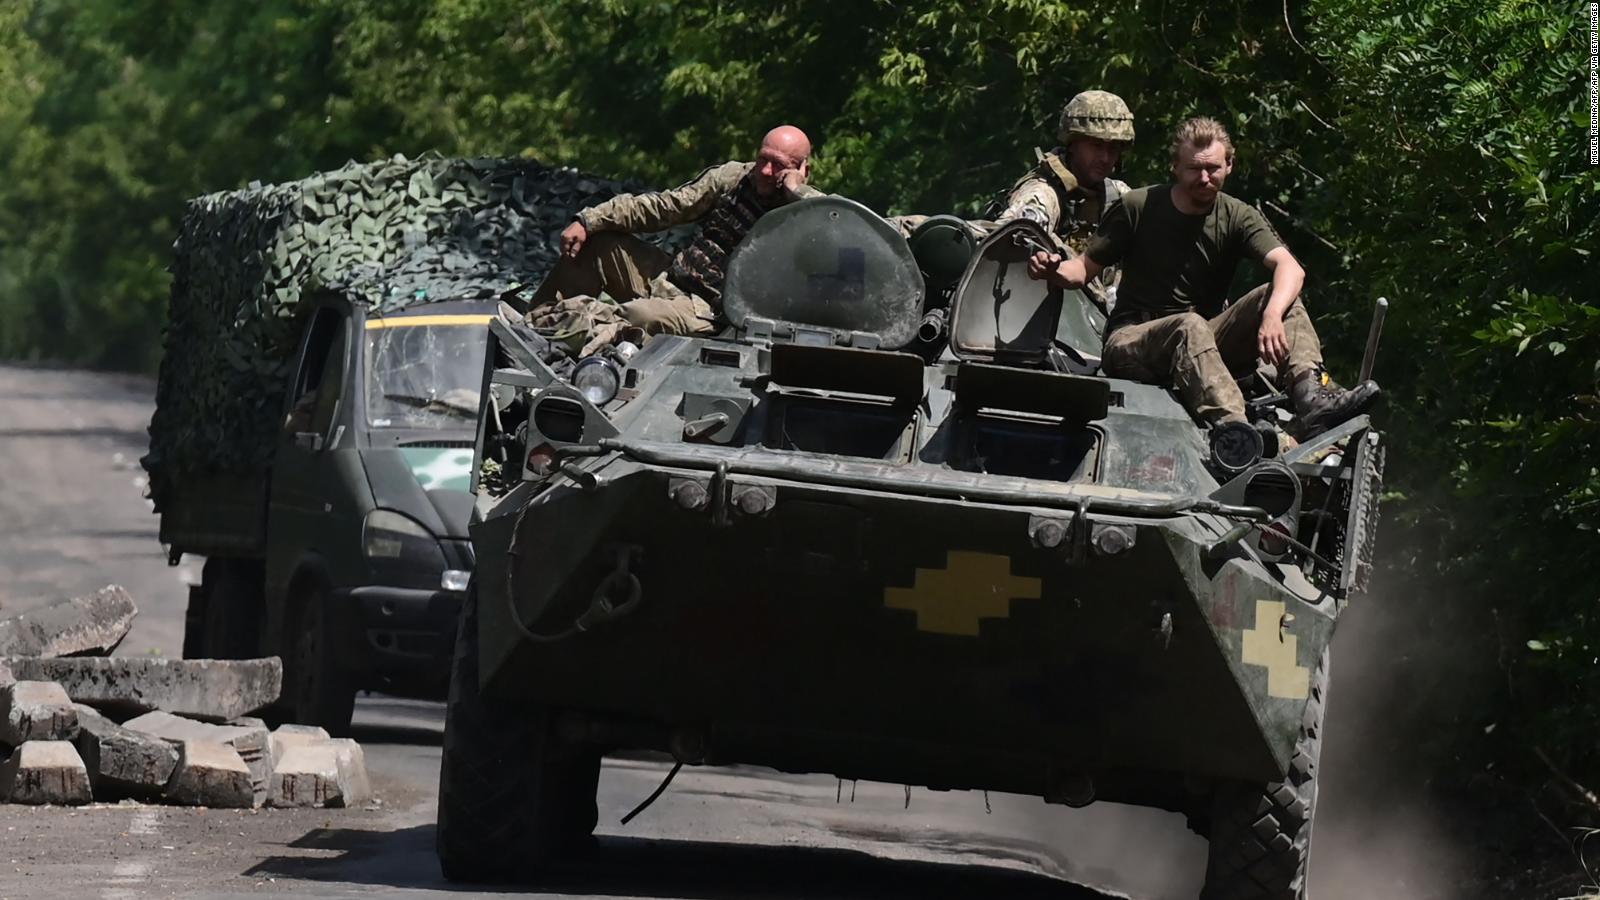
[824, 271]
[1001, 315]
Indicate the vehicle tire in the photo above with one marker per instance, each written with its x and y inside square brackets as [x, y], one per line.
[316, 683]
[194, 623]
[512, 797]
[1261, 834]
[224, 616]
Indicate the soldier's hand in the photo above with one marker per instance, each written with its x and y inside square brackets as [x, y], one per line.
[572, 238]
[792, 180]
[1042, 265]
[1272, 342]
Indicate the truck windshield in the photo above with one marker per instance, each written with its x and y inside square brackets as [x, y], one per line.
[424, 371]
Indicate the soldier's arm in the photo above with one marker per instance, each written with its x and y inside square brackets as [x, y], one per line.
[1034, 199]
[634, 213]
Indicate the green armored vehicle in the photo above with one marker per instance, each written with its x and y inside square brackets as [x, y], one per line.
[802, 545]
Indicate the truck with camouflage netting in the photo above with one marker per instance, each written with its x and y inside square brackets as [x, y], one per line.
[316, 407]
[816, 544]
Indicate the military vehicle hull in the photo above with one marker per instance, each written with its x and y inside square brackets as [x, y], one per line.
[889, 636]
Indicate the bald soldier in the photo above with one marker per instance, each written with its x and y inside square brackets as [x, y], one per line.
[681, 294]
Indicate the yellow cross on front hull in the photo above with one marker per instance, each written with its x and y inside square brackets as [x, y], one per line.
[1267, 646]
[970, 587]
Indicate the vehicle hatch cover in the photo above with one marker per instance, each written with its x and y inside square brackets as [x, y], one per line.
[826, 263]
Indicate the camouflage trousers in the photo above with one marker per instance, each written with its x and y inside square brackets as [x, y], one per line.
[1202, 357]
[634, 273]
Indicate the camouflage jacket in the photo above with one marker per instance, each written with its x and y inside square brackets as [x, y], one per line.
[721, 199]
[1051, 196]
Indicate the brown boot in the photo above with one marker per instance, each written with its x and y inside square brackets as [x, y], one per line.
[1322, 404]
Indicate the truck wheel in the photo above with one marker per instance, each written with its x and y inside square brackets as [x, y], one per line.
[316, 683]
[224, 615]
[512, 797]
[1261, 834]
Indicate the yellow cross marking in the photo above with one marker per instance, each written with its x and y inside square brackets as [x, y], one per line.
[971, 586]
[1266, 645]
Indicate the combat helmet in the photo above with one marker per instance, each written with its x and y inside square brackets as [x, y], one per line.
[1096, 114]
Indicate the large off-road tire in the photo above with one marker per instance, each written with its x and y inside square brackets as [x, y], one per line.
[1261, 834]
[224, 616]
[317, 685]
[512, 797]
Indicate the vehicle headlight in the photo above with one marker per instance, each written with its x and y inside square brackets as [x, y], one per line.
[391, 536]
[598, 378]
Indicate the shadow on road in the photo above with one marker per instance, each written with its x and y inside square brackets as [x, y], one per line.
[388, 733]
[639, 867]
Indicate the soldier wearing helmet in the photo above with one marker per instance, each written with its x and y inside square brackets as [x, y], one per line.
[1071, 186]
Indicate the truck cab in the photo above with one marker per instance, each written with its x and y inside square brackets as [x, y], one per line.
[355, 555]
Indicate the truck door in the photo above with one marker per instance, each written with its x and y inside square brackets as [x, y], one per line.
[309, 491]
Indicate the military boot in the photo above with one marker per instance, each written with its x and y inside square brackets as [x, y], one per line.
[1322, 404]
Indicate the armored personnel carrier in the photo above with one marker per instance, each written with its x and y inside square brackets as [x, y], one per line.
[815, 544]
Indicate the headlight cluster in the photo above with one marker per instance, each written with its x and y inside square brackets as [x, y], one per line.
[390, 539]
[598, 378]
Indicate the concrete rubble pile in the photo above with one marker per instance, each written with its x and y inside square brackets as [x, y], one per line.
[80, 729]
[390, 234]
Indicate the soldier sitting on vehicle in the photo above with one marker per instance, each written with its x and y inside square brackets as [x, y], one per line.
[1070, 189]
[661, 294]
[1178, 246]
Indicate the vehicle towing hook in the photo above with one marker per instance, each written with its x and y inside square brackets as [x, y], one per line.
[617, 594]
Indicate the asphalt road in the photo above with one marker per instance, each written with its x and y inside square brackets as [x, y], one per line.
[73, 518]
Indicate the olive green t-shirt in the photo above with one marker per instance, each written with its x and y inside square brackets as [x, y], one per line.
[1172, 261]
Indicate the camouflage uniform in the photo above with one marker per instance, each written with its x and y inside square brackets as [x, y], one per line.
[1050, 194]
[1202, 357]
[659, 293]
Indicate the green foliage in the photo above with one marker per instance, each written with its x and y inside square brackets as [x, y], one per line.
[1430, 151]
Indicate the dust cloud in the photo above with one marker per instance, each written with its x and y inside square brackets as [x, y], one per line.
[1402, 683]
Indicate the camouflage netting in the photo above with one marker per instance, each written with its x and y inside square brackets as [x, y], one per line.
[391, 234]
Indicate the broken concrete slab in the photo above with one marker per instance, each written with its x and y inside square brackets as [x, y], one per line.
[213, 689]
[251, 741]
[36, 711]
[121, 762]
[6, 678]
[95, 624]
[210, 774]
[330, 773]
[40, 772]
[291, 735]
[353, 781]
[308, 775]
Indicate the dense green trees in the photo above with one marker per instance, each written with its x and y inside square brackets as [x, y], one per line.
[1433, 151]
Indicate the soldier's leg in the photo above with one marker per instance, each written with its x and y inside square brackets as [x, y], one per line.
[620, 265]
[667, 310]
[1238, 326]
[1179, 350]
[1319, 402]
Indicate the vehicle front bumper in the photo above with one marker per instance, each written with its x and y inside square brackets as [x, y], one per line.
[401, 637]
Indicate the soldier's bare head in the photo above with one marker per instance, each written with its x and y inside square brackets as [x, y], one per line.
[1202, 157]
[784, 149]
[1199, 133]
